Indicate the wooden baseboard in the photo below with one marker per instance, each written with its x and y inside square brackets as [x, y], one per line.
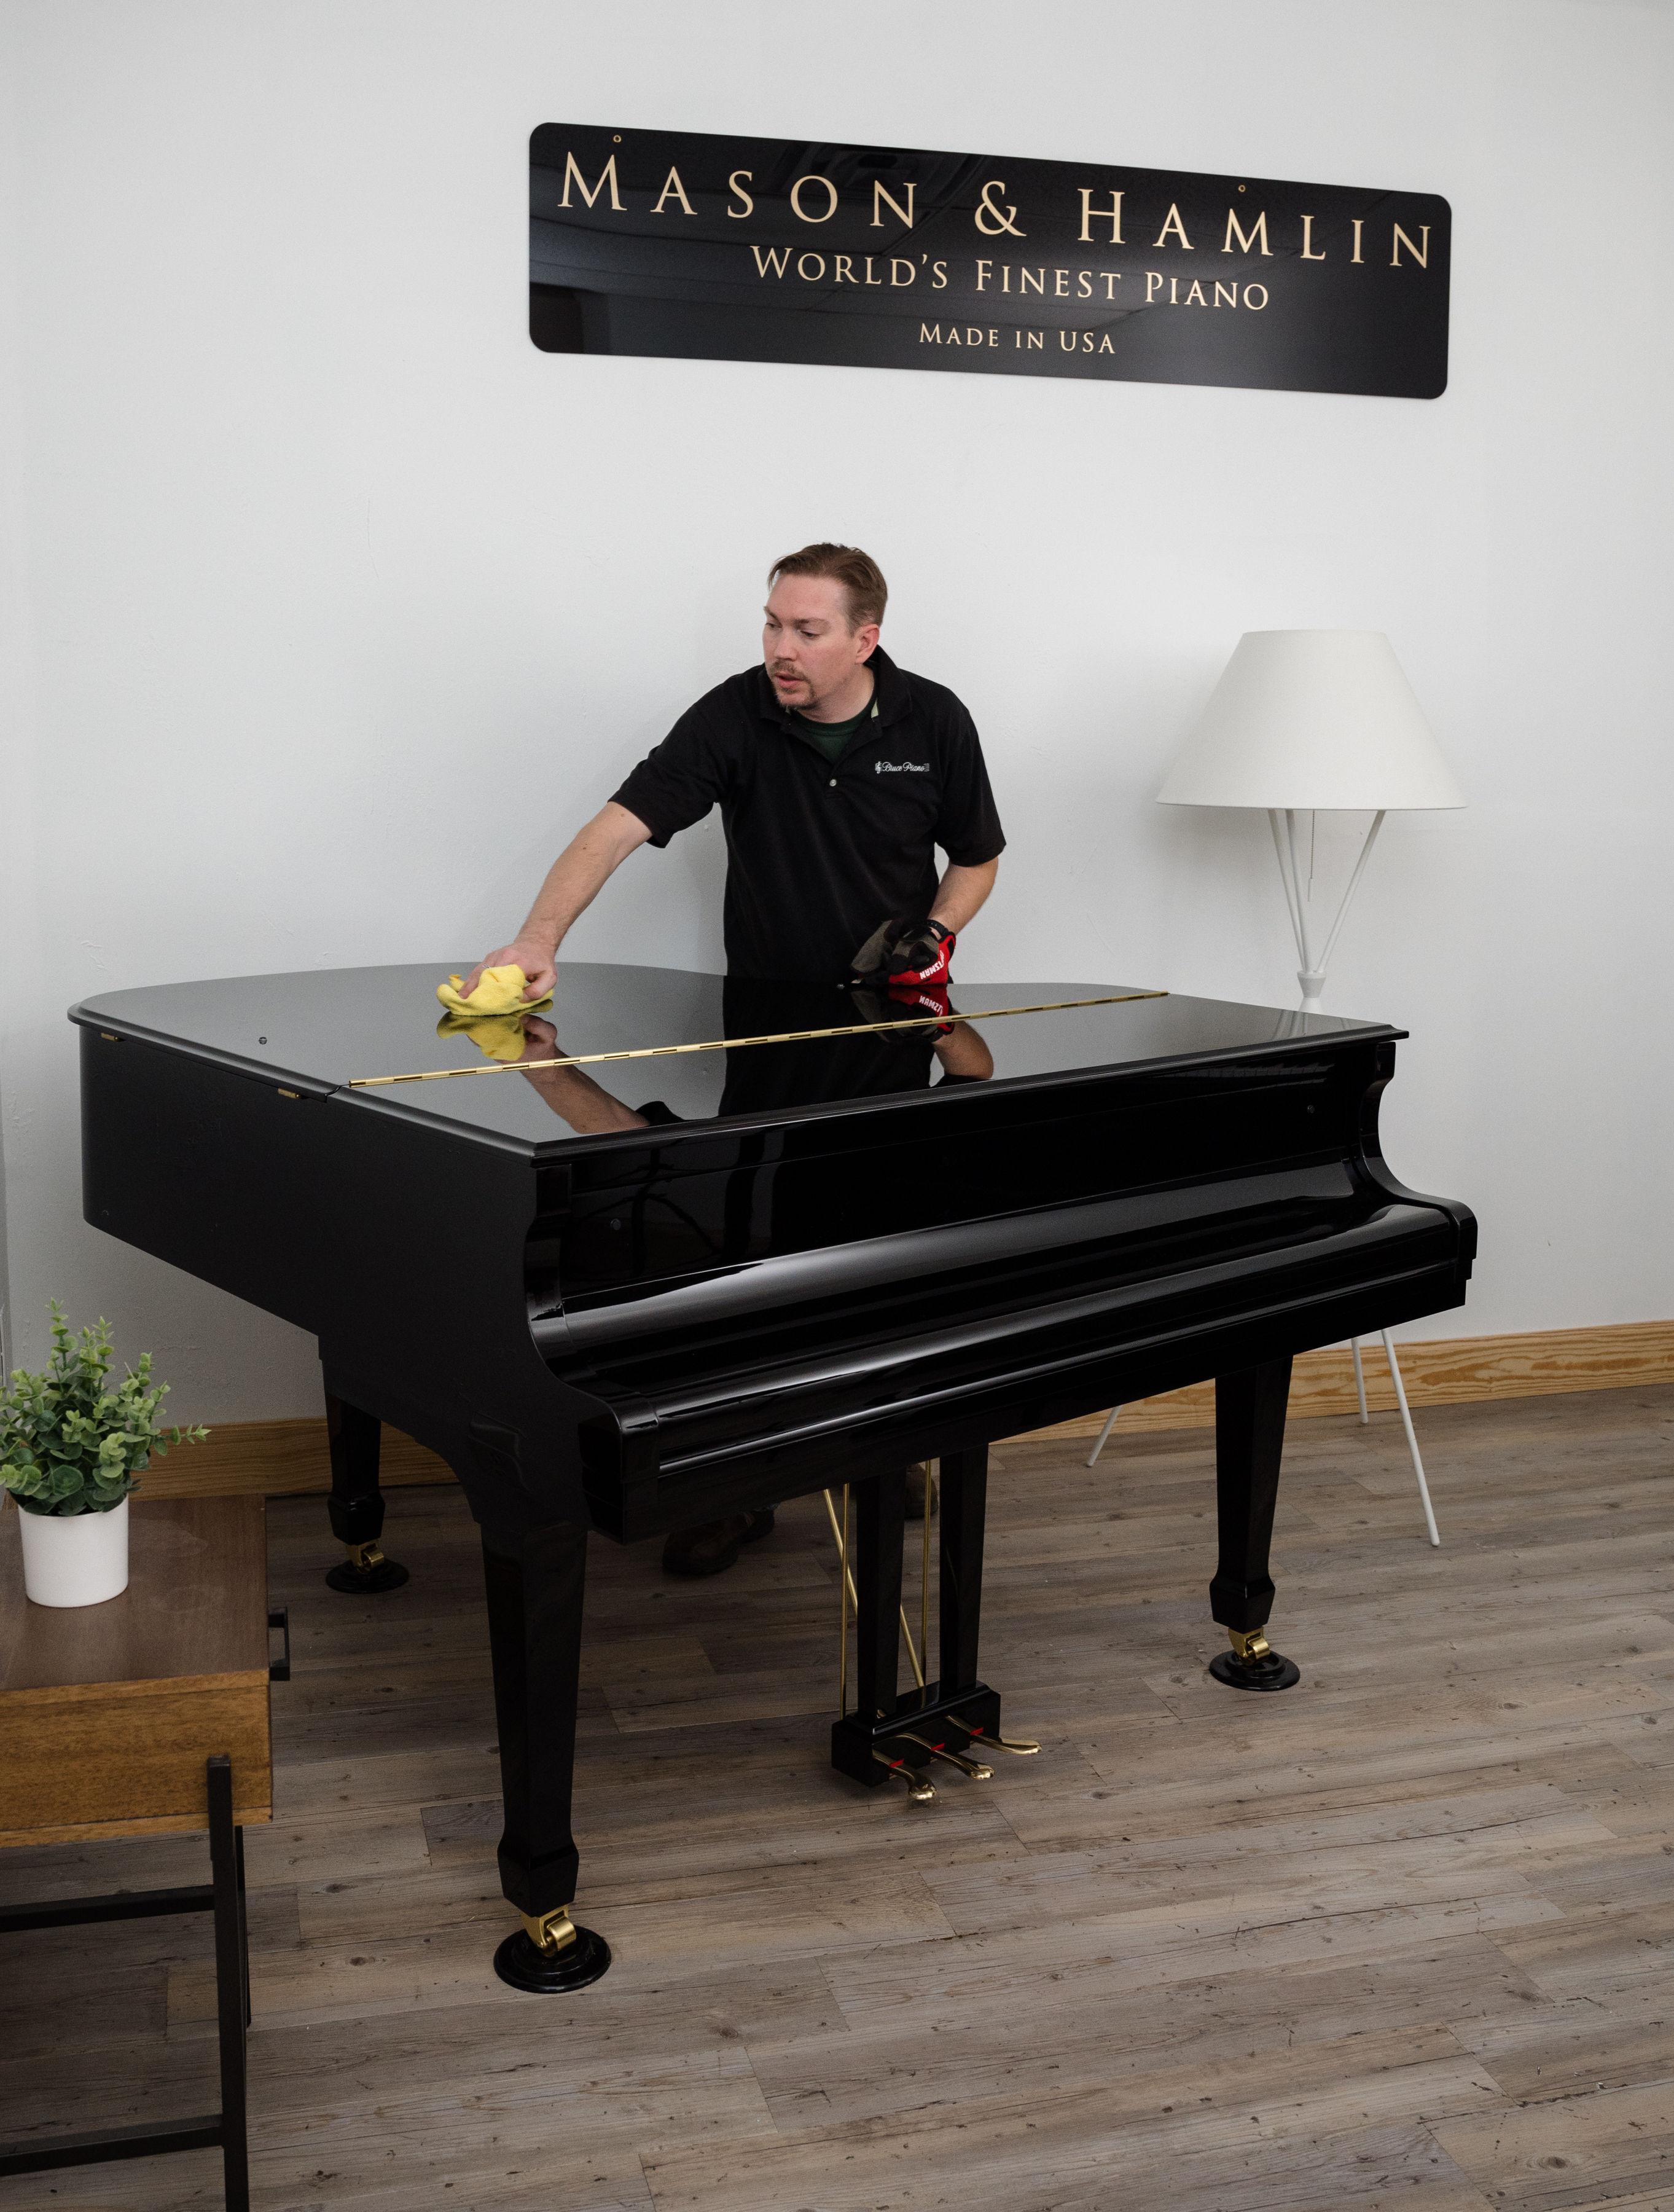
[1446, 1371]
[280, 1459]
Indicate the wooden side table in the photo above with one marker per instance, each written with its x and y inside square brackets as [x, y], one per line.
[144, 1716]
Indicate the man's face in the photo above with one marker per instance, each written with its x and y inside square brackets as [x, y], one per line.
[807, 645]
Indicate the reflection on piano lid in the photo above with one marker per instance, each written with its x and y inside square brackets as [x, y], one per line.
[936, 1013]
[671, 1040]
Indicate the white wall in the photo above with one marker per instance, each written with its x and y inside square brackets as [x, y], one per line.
[329, 604]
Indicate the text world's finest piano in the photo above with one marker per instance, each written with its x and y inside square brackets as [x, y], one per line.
[639, 1278]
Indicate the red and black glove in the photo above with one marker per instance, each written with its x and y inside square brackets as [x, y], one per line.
[902, 1003]
[931, 999]
[903, 955]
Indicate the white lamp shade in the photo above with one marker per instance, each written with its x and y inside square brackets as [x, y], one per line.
[1312, 718]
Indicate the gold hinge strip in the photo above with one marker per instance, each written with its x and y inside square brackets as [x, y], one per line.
[736, 1044]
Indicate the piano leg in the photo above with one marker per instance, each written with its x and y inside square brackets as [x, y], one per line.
[356, 1503]
[1249, 1443]
[535, 1597]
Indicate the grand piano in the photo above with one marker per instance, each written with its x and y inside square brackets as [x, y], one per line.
[681, 1247]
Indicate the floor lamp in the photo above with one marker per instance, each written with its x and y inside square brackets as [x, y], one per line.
[1310, 722]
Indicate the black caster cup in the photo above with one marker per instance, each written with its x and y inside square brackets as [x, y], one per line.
[1251, 1664]
[365, 1573]
[522, 1963]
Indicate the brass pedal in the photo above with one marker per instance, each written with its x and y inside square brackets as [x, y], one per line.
[973, 1767]
[920, 1790]
[1023, 1749]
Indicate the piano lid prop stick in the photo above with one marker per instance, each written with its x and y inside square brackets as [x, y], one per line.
[736, 1044]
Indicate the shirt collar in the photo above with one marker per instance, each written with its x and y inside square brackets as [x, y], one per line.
[892, 695]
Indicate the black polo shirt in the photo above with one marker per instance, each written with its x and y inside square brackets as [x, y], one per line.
[820, 852]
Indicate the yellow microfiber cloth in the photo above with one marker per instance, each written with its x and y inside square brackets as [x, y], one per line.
[499, 1036]
[499, 993]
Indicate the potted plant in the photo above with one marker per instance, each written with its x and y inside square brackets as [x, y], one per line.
[71, 1450]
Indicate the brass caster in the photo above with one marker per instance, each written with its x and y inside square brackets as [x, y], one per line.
[549, 1955]
[1253, 1664]
[365, 1572]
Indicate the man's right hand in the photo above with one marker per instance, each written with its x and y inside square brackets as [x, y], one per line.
[538, 962]
[592, 856]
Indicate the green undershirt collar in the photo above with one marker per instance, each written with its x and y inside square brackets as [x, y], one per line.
[832, 737]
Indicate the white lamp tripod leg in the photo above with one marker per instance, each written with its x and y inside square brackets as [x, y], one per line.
[1412, 1441]
[1104, 1436]
[1311, 974]
[1406, 1423]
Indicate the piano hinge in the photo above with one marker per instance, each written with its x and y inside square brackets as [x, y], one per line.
[110, 1036]
[283, 1093]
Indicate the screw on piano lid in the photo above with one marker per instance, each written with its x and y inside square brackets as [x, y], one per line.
[261, 1040]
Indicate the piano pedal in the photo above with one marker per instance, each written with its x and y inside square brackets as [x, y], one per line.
[1020, 1748]
[1253, 1664]
[973, 1767]
[920, 1790]
[365, 1572]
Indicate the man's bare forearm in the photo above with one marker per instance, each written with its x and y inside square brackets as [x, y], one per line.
[572, 883]
[585, 1105]
[964, 1053]
[962, 894]
[581, 872]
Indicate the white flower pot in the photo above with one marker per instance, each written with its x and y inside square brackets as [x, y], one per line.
[75, 1559]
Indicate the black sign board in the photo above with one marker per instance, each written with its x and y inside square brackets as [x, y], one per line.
[679, 243]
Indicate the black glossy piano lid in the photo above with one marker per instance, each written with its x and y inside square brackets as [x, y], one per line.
[326, 1030]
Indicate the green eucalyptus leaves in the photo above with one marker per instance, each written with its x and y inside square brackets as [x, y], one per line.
[70, 1444]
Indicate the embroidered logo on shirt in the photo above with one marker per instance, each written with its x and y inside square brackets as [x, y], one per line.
[900, 768]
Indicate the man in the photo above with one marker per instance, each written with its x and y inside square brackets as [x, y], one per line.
[838, 775]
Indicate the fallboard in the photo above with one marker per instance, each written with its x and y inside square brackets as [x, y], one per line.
[687, 1208]
[787, 1391]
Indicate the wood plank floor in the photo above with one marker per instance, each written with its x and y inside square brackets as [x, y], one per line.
[1405, 1935]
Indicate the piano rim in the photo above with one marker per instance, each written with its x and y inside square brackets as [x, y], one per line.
[545, 1151]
